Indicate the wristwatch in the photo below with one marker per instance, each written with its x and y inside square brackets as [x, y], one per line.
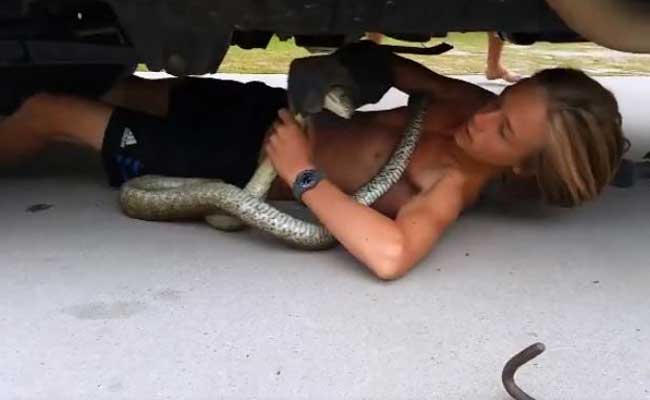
[306, 180]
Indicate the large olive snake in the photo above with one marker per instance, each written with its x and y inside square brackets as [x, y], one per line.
[228, 207]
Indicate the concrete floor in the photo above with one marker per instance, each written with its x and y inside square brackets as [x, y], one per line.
[98, 306]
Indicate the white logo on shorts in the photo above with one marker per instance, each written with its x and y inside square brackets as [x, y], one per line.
[127, 138]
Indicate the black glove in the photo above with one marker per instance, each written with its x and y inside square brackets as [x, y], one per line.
[363, 70]
[371, 67]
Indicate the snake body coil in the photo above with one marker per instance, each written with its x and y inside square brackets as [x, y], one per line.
[161, 198]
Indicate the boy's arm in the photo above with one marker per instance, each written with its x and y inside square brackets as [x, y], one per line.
[412, 77]
[389, 248]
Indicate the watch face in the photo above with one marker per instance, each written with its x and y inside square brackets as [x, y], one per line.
[307, 180]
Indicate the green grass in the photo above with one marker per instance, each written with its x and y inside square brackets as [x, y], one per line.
[467, 57]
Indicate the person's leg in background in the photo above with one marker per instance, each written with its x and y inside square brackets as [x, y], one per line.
[495, 69]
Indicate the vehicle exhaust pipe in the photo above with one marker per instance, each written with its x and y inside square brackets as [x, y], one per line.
[618, 24]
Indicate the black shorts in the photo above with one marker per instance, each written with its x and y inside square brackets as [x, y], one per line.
[214, 129]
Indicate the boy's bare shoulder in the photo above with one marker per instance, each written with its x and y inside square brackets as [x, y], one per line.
[470, 90]
[458, 104]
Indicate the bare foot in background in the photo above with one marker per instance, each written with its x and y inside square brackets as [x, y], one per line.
[502, 73]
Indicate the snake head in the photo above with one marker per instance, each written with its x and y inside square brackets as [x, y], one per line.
[339, 102]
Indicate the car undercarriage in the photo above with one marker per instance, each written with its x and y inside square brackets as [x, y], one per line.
[48, 44]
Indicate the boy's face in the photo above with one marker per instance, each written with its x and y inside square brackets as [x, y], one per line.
[508, 129]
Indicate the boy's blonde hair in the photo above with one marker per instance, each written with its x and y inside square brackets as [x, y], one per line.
[586, 140]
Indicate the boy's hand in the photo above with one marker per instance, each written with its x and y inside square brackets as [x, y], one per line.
[288, 147]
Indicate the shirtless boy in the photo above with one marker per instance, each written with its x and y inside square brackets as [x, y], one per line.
[559, 127]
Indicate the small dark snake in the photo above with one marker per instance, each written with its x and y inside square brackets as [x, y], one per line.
[511, 367]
